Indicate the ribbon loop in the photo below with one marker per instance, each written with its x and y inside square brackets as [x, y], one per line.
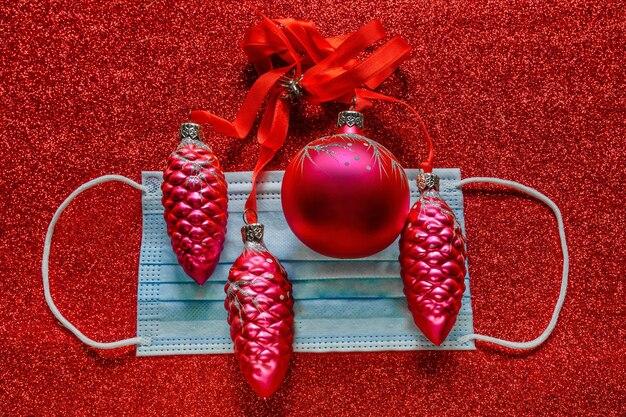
[327, 69]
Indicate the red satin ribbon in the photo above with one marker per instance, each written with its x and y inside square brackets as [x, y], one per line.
[330, 71]
[363, 98]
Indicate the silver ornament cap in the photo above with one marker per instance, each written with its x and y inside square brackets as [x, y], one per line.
[190, 131]
[350, 118]
[427, 181]
[252, 233]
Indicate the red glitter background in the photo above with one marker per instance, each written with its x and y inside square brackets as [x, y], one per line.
[530, 91]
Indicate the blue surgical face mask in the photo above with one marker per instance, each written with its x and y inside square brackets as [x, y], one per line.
[340, 305]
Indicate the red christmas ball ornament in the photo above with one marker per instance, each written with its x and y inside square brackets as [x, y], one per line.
[432, 261]
[195, 200]
[345, 196]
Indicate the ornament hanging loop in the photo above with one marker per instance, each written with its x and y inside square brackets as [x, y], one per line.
[353, 104]
[245, 216]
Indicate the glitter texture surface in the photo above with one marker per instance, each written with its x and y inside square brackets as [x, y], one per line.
[529, 91]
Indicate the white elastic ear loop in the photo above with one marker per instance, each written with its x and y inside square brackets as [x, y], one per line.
[559, 304]
[46, 255]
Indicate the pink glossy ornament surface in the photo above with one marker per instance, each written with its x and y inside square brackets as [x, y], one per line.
[345, 196]
[259, 302]
[432, 261]
[195, 200]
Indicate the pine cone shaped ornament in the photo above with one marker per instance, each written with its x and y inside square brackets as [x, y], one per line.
[259, 302]
[432, 261]
[195, 200]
